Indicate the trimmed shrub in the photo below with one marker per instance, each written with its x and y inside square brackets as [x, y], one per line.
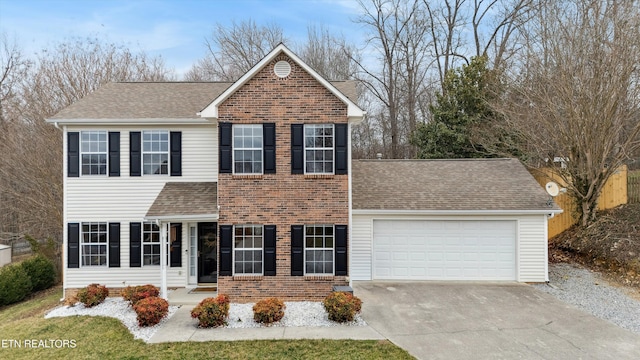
[93, 295]
[15, 284]
[212, 312]
[151, 310]
[133, 294]
[268, 311]
[341, 306]
[41, 270]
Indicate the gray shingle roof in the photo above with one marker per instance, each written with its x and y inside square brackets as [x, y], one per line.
[185, 199]
[157, 100]
[449, 185]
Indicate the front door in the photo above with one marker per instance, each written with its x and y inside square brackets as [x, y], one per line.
[207, 242]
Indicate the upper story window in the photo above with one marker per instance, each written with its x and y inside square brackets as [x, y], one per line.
[93, 152]
[94, 244]
[155, 152]
[318, 148]
[247, 149]
[247, 249]
[318, 249]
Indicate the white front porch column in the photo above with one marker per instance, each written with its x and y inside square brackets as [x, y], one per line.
[163, 260]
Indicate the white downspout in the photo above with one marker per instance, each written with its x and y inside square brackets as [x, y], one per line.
[65, 234]
[163, 259]
[350, 222]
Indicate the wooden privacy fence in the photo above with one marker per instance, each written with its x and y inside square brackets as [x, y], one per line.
[613, 194]
[633, 186]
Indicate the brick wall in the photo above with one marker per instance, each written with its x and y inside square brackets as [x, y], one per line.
[282, 199]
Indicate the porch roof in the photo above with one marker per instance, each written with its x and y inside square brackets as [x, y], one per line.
[185, 200]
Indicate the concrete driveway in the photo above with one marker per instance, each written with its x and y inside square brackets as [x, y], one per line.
[438, 320]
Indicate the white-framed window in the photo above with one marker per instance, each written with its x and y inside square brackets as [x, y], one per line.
[247, 149]
[318, 149]
[247, 249]
[318, 249]
[155, 152]
[150, 244]
[93, 152]
[94, 244]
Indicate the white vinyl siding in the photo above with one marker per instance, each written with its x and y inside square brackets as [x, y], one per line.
[118, 277]
[531, 242]
[126, 199]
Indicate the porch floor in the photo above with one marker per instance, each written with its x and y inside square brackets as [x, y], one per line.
[184, 296]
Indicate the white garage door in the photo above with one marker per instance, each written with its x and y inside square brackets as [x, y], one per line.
[444, 250]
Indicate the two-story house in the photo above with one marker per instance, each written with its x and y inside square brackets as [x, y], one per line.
[248, 186]
[244, 184]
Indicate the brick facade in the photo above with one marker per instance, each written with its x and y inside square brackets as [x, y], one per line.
[282, 199]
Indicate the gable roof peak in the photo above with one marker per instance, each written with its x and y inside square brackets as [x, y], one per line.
[354, 112]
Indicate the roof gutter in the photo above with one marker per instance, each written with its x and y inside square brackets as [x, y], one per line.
[549, 212]
[141, 121]
[179, 217]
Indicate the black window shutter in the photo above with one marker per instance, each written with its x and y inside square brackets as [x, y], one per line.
[269, 250]
[341, 250]
[73, 245]
[73, 154]
[175, 143]
[135, 244]
[297, 250]
[226, 246]
[114, 244]
[226, 165]
[175, 259]
[297, 149]
[341, 144]
[135, 153]
[269, 147]
[114, 153]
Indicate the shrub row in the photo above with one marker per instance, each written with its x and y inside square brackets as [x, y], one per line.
[17, 281]
[213, 312]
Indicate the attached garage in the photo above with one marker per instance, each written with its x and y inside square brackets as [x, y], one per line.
[448, 220]
[444, 250]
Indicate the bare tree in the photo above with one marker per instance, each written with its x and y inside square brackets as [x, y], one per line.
[328, 54]
[31, 164]
[233, 51]
[394, 34]
[576, 99]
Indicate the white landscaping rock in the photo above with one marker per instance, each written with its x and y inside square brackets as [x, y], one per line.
[305, 313]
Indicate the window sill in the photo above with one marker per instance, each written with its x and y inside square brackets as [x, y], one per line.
[247, 176]
[318, 277]
[319, 176]
[247, 277]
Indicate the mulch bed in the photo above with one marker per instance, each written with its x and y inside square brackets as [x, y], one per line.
[610, 245]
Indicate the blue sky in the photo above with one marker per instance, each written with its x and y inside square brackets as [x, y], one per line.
[174, 29]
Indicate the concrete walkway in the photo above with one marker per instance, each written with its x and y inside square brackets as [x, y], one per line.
[181, 327]
[436, 320]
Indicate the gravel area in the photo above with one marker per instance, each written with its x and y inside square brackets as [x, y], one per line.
[303, 313]
[587, 291]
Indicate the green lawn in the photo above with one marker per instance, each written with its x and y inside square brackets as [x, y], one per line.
[107, 338]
